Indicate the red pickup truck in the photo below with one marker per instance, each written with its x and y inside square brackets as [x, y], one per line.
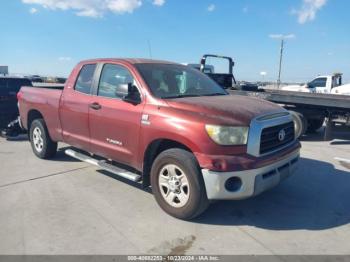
[167, 126]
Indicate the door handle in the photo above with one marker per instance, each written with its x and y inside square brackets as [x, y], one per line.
[95, 106]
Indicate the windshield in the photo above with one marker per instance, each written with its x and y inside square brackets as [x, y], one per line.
[175, 81]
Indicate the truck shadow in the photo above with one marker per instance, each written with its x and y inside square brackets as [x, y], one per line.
[315, 198]
[126, 181]
[62, 157]
[339, 133]
[19, 138]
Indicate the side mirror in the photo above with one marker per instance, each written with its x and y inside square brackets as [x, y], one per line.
[133, 95]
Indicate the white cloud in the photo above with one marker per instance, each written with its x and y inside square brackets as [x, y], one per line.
[93, 8]
[64, 58]
[308, 10]
[280, 36]
[123, 6]
[211, 8]
[159, 2]
[33, 10]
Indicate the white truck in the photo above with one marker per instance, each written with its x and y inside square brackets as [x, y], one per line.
[328, 84]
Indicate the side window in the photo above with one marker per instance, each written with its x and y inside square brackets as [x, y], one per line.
[114, 81]
[84, 82]
[318, 82]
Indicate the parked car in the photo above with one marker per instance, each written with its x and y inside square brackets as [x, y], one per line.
[167, 126]
[9, 87]
[36, 79]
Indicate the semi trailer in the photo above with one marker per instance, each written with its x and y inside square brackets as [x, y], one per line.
[311, 105]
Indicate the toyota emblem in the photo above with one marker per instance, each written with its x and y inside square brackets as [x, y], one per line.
[281, 135]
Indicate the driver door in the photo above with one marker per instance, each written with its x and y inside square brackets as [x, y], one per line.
[114, 123]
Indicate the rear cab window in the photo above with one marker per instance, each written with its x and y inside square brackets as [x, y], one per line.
[85, 79]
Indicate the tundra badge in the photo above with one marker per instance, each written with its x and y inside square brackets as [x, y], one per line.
[145, 120]
[114, 142]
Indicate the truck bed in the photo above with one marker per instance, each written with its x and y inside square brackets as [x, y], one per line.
[49, 85]
[43, 100]
[327, 101]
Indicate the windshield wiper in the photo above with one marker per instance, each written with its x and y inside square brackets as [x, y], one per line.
[179, 96]
[216, 94]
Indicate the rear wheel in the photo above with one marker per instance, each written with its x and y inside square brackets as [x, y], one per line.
[177, 184]
[42, 145]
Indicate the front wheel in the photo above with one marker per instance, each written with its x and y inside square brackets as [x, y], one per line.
[177, 184]
[300, 123]
[42, 145]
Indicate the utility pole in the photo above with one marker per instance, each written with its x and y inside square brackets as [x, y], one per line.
[280, 65]
[282, 38]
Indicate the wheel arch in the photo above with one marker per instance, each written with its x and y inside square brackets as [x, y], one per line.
[32, 115]
[153, 150]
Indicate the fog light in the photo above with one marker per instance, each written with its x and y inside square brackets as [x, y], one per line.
[233, 184]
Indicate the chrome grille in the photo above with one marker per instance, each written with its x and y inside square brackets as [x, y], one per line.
[276, 137]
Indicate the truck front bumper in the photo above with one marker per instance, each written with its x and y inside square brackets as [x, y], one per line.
[248, 183]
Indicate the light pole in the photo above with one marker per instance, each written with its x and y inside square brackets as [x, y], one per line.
[263, 74]
[282, 38]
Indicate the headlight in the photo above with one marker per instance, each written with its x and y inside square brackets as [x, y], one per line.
[228, 135]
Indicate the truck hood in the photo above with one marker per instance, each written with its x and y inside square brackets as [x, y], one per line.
[230, 109]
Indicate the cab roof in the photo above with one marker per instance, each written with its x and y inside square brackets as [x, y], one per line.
[129, 60]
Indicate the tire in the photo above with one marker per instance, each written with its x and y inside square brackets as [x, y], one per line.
[314, 125]
[328, 132]
[300, 123]
[188, 198]
[42, 145]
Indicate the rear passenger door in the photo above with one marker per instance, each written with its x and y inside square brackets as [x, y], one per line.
[114, 123]
[74, 108]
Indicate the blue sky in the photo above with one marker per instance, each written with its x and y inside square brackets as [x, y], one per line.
[50, 36]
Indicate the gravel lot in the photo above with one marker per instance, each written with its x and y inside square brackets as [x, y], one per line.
[69, 207]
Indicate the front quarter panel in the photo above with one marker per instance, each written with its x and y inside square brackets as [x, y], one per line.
[185, 128]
